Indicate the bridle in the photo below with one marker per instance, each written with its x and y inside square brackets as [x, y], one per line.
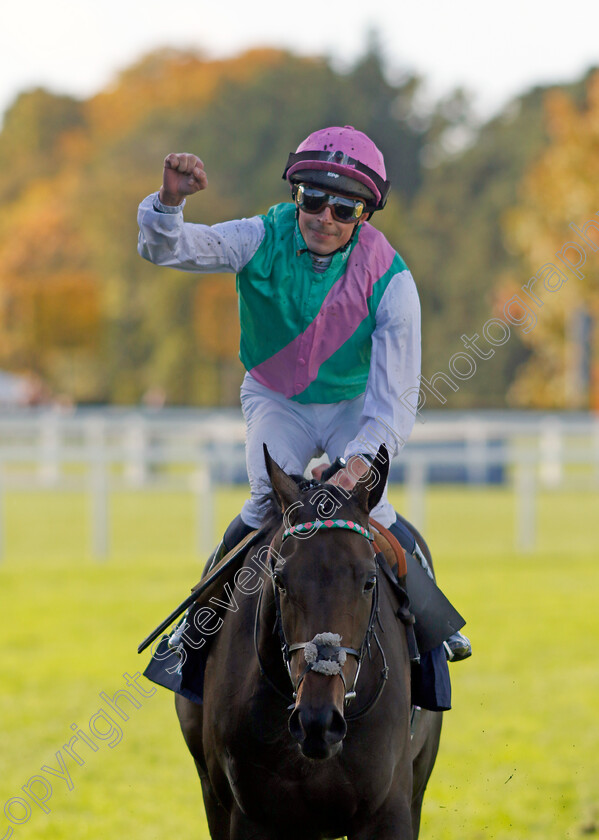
[324, 653]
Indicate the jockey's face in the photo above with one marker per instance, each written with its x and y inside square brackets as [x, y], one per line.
[322, 233]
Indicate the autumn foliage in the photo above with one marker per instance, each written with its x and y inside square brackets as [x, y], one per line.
[81, 309]
[557, 220]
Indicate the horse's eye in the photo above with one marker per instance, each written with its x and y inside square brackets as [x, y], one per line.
[370, 584]
[279, 582]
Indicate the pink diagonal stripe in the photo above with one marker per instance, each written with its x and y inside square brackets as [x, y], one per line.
[295, 366]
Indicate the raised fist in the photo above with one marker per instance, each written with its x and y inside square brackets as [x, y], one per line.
[183, 175]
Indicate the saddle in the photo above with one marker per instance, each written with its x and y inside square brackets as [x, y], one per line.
[391, 549]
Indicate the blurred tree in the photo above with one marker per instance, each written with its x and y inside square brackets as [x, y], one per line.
[72, 174]
[48, 286]
[558, 197]
[453, 238]
[30, 140]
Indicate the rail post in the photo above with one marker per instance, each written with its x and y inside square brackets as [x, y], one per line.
[526, 503]
[201, 485]
[98, 483]
[416, 493]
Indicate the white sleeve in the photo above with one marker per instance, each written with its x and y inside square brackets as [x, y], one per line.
[394, 368]
[165, 239]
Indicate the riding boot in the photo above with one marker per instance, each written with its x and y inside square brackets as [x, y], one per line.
[431, 685]
[235, 532]
[457, 646]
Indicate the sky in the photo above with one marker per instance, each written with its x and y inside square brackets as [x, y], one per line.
[494, 50]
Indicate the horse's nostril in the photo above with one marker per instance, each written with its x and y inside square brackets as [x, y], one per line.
[326, 724]
[337, 728]
[295, 727]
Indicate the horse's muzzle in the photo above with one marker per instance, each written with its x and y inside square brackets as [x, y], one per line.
[317, 721]
[318, 732]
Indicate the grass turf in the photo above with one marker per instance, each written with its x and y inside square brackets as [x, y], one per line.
[519, 750]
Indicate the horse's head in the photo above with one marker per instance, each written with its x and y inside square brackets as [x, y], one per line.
[324, 573]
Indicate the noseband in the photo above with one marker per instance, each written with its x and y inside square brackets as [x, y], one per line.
[324, 654]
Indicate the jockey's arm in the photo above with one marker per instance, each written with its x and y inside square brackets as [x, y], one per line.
[167, 240]
[394, 370]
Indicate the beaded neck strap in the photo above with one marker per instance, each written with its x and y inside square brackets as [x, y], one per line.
[306, 529]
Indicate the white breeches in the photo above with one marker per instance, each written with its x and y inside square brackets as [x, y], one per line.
[294, 434]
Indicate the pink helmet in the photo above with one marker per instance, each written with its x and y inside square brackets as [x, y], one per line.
[344, 159]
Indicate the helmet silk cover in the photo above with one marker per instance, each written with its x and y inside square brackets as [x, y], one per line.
[341, 154]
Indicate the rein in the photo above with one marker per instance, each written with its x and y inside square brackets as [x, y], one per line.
[324, 653]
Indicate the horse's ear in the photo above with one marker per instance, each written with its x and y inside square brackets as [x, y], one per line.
[286, 489]
[370, 488]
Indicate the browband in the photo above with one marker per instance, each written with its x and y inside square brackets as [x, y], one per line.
[307, 528]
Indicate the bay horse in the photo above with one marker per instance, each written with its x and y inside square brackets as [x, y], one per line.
[304, 732]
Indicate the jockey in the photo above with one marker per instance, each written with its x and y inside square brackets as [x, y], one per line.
[330, 322]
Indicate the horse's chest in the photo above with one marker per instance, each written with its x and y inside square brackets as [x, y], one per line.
[270, 778]
[268, 793]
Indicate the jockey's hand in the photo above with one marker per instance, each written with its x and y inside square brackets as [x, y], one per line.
[349, 476]
[183, 175]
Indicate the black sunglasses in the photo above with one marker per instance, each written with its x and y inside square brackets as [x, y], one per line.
[343, 209]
